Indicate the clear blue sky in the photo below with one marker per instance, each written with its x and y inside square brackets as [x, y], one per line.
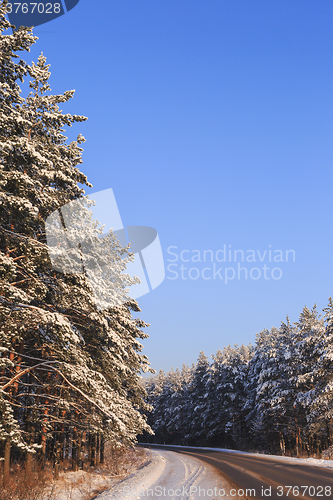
[212, 122]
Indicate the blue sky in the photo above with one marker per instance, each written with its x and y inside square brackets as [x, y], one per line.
[212, 123]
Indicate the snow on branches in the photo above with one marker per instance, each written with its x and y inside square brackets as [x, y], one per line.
[70, 358]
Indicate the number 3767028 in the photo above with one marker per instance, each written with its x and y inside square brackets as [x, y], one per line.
[312, 491]
[34, 8]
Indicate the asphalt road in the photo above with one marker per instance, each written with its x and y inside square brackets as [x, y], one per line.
[265, 477]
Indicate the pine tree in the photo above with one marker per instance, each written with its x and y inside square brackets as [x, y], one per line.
[320, 413]
[198, 396]
[214, 411]
[70, 359]
[284, 391]
[315, 388]
[184, 404]
[230, 393]
[255, 406]
[273, 389]
[156, 397]
[308, 337]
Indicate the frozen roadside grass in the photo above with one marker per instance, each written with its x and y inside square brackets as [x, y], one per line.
[81, 485]
[87, 484]
[22, 486]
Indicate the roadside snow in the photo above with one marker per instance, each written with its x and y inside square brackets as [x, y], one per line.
[78, 485]
[170, 476]
[87, 484]
[327, 464]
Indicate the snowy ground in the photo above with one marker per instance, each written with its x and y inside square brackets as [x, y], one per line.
[328, 464]
[171, 476]
[87, 484]
[78, 485]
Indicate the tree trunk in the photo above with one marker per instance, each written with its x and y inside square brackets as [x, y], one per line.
[67, 438]
[93, 450]
[29, 463]
[62, 438]
[57, 458]
[79, 450]
[74, 451]
[102, 451]
[6, 464]
[98, 440]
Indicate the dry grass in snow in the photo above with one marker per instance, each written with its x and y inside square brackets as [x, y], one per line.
[81, 485]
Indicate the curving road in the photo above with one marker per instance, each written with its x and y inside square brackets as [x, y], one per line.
[263, 477]
[170, 476]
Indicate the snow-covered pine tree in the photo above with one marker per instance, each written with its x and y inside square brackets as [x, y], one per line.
[174, 408]
[198, 397]
[156, 397]
[314, 372]
[257, 404]
[272, 377]
[214, 410]
[184, 406]
[283, 389]
[320, 409]
[68, 366]
[231, 368]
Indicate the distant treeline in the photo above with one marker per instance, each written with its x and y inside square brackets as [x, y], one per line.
[276, 396]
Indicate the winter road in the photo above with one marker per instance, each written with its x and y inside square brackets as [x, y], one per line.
[261, 476]
[171, 476]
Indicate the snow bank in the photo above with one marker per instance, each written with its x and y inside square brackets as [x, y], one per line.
[141, 479]
[328, 464]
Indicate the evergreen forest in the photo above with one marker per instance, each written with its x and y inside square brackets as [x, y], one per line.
[275, 397]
